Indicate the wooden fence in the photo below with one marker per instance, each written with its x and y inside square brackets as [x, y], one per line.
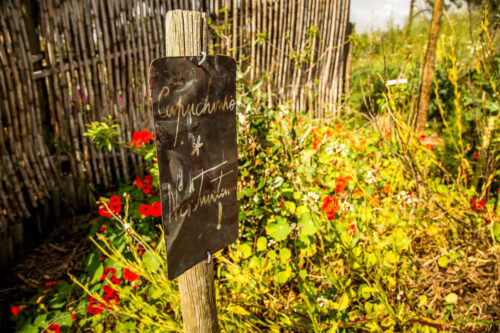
[65, 63]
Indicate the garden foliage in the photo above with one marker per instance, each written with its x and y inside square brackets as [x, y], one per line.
[345, 224]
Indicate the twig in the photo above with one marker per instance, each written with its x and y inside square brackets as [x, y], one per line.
[27, 281]
[428, 262]
[55, 247]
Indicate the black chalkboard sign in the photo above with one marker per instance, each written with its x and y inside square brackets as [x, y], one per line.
[194, 109]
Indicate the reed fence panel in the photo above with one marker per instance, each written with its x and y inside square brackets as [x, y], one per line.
[66, 63]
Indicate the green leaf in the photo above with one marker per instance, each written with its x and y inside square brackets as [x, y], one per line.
[283, 276]
[245, 250]
[307, 227]
[422, 301]
[261, 243]
[40, 321]
[97, 274]
[496, 231]
[343, 302]
[65, 320]
[278, 230]
[443, 261]
[150, 262]
[290, 206]
[285, 254]
[257, 85]
[154, 292]
[30, 329]
[247, 192]
[301, 210]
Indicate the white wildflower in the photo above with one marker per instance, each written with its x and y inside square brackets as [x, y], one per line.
[370, 178]
[322, 301]
[342, 149]
[337, 148]
[346, 207]
[313, 196]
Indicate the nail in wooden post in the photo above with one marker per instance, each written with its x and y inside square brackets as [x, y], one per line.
[186, 35]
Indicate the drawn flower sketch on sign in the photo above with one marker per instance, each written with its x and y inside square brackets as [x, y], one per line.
[194, 109]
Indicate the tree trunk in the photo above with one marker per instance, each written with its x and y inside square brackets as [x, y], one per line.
[410, 18]
[424, 95]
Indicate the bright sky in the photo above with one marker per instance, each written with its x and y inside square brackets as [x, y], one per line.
[374, 13]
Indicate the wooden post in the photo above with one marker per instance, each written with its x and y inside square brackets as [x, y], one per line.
[186, 35]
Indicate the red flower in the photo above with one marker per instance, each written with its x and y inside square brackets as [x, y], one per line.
[106, 271]
[330, 206]
[54, 328]
[352, 228]
[16, 309]
[94, 307]
[145, 210]
[475, 156]
[110, 296]
[116, 208]
[138, 182]
[374, 200]
[140, 250]
[73, 316]
[114, 199]
[103, 229]
[475, 205]
[356, 194]
[341, 184]
[115, 280]
[138, 138]
[146, 188]
[145, 136]
[156, 209]
[128, 275]
[103, 211]
[109, 292]
[148, 179]
[48, 283]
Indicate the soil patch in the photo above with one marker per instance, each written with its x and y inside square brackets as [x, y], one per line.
[60, 253]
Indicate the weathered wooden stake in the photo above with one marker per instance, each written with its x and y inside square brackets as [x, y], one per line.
[186, 35]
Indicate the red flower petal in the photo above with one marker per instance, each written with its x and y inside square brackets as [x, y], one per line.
[115, 200]
[156, 209]
[146, 188]
[145, 210]
[138, 182]
[16, 309]
[148, 179]
[103, 211]
[128, 275]
[54, 328]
